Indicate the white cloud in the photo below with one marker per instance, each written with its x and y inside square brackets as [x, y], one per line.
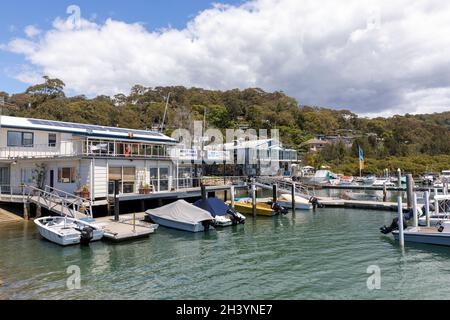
[373, 57]
[32, 31]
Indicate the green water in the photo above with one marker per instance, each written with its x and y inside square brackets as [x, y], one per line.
[303, 256]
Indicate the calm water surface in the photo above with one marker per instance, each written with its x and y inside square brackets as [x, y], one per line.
[309, 255]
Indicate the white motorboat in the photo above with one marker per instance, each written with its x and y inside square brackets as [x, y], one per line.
[439, 235]
[285, 200]
[182, 215]
[382, 182]
[67, 231]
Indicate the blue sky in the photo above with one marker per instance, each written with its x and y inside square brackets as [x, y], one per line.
[18, 14]
[375, 58]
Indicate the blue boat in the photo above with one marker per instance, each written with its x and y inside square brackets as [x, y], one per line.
[182, 215]
[223, 214]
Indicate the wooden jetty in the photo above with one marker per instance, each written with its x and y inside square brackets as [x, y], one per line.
[358, 204]
[129, 227]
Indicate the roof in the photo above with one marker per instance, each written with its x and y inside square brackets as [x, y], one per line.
[316, 141]
[89, 130]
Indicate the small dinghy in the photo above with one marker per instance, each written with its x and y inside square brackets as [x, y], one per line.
[439, 234]
[182, 215]
[67, 231]
[223, 214]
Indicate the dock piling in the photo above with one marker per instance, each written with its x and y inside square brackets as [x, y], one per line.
[427, 207]
[401, 236]
[274, 193]
[203, 189]
[399, 177]
[116, 200]
[253, 198]
[409, 190]
[293, 196]
[232, 196]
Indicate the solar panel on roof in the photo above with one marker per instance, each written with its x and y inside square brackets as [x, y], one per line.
[92, 127]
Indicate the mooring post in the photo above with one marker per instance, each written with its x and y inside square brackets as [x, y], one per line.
[400, 222]
[38, 211]
[26, 211]
[409, 190]
[116, 200]
[274, 193]
[416, 218]
[232, 196]
[134, 222]
[399, 177]
[225, 196]
[384, 192]
[293, 196]
[203, 190]
[253, 198]
[427, 207]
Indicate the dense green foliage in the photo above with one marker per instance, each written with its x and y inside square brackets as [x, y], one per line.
[386, 141]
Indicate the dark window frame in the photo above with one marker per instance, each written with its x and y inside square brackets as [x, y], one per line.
[52, 144]
[22, 134]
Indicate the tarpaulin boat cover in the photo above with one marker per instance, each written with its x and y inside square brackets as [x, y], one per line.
[213, 205]
[181, 211]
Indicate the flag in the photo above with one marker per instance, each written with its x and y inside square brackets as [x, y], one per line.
[361, 158]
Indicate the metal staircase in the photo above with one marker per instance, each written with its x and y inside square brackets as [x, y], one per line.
[60, 202]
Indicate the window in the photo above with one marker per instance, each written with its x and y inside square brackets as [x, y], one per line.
[66, 175]
[52, 140]
[27, 176]
[126, 177]
[20, 139]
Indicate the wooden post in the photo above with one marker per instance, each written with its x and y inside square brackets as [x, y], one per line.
[203, 191]
[116, 200]
[274, 193]
[225, 196]
[416, 218]
[399, 176]
[253, 198]
[232, 196]
[409, 190]
[38, 211]
[134, 222]
[427, 207]
[384, 192]
[26, 211]
[401, 237]
[293, 196]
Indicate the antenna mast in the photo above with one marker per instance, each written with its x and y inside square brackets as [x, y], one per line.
[165, 112]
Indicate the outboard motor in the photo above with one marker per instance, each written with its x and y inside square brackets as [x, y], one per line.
[393, 226]
[279, 209]
[207, 224]
[86, 236]
[315, 202]
[234, 217]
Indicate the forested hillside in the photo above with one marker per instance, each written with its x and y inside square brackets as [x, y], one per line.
[382, 138]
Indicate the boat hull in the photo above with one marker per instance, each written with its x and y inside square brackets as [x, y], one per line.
[198, 227]
[262, 209]
[68, 239]
[298, 206]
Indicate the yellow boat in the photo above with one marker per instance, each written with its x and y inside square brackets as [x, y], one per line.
[246, 207]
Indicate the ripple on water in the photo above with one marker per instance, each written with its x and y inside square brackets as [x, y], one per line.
[312, 255]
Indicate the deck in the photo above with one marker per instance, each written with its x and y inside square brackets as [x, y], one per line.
[358, 204]
[124, 229]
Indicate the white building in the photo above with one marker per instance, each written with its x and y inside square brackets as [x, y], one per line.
[70, 156]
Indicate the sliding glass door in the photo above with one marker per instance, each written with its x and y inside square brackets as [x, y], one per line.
[4, 179]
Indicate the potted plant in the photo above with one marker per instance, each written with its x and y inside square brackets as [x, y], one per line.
[144, 188]
[85, 193]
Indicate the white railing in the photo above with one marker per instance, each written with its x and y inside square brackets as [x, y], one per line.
[286, 186]
[53, 198]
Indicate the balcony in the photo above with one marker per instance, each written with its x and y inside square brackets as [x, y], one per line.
[86, 148]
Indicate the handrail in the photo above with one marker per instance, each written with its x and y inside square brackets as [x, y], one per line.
[72, 204]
